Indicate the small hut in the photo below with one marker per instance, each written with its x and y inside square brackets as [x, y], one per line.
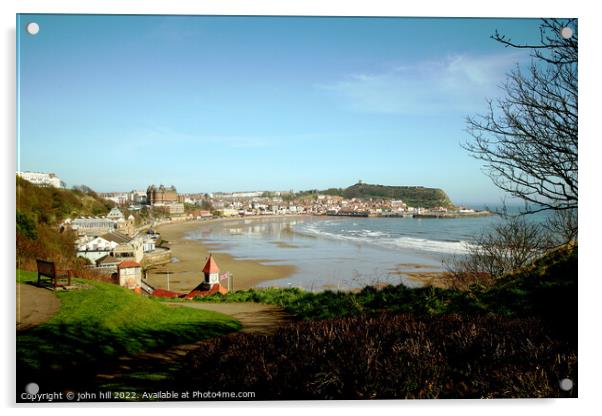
[130, 274]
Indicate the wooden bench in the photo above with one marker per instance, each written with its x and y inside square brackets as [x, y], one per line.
[49, 270]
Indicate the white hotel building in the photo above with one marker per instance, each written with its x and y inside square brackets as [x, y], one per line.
[42, 179]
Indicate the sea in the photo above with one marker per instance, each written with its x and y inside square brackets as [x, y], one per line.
[342, 253]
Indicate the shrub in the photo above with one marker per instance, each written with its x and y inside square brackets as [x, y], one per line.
[387, 356]
[40, 210]
[26, 226]
[505, 249]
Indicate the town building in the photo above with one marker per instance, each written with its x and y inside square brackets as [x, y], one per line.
[108, 264]
[120, 198]
[211, 282]
[211, 271]
[167, 197]
[127, 248]
[95, 249]
[115, 214]
[176, 210]
[161, 195]
[92, 225]
[228, 212]
[130, 274]
[202, 214]
[42, 179]
[126, 226]
[148, 244]
[138, 197]
[97, 226]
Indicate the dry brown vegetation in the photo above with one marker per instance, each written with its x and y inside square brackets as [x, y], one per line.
[388, 356]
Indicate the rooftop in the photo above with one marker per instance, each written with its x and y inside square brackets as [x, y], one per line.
[211, 265]
[108, 260]
[117, 237]
[127, 264]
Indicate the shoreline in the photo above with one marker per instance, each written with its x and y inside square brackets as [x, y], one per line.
[439, 280]
[190, 255]
[186, 273]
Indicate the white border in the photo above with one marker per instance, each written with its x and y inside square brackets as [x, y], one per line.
[590, 287]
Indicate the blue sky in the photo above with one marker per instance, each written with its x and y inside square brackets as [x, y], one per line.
[251, 103]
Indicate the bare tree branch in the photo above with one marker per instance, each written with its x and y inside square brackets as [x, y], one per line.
[528, 139]
[508, 247]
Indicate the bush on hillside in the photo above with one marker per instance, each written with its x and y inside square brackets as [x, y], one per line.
[40, 211]
[505, 249]
[49, 243]
[387, 356]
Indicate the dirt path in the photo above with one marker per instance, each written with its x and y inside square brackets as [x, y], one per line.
[35, 306]
[254, 317]
[146, 371]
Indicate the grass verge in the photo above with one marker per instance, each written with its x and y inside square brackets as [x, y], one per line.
[96, 325]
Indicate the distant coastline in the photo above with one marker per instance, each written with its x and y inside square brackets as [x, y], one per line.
[425, 214]
[455, 214]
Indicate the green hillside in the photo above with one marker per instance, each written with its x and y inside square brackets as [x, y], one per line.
[51, 206]
[99, 323]
[416, 196]
[40, 211]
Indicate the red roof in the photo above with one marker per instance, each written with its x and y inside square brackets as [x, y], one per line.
[162, 293]
[211, 266]
[127, 263]
[216, 288]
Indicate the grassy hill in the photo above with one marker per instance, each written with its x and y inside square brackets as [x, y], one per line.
[48, 205]
[96, 325]
[416, 196]
[40, 210]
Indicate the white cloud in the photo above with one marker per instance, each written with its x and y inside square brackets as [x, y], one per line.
[455, 83]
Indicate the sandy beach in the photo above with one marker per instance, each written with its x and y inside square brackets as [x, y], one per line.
[186, 273]
[426, 278]
[287, 251]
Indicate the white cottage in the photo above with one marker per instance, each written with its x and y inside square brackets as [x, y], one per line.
[95, 248]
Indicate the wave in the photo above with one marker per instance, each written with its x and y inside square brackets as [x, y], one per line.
[387, 240]
[450, 247]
